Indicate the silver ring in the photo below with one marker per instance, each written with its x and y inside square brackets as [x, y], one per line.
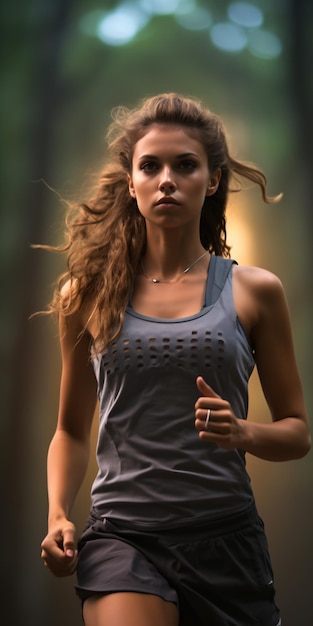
[207, 418]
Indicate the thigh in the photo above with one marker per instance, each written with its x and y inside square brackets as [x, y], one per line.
[129, 609]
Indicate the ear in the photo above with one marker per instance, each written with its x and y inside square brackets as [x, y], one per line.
[214, 182]
[131, 186]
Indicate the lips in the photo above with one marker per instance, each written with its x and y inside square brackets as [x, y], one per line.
[167, 200]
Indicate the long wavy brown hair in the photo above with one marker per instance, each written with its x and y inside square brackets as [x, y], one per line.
[105, 237]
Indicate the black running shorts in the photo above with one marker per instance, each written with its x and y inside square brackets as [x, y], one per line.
[218, 574]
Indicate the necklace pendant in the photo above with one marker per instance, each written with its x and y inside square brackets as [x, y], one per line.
[174, 280]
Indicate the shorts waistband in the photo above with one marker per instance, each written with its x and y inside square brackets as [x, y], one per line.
[214, 528]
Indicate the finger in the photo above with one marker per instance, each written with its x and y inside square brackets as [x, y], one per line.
[43, 554]
[205, 389]
[60, 566]
[207, 419]
[69, 542]
[212, 421]
[210, 416]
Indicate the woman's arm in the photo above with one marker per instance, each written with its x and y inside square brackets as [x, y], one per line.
[262, 309]
[288, 437]
[68, 453]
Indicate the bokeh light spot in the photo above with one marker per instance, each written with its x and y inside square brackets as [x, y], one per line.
[228, 37]
[245, 14]
[264, 44]
[159, 7]
[186, 6]
[122, 25]
[198, 19]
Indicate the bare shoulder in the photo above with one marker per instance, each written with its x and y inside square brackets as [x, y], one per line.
[258, 294]
[78, 320]
[66, 288]
[69, 322]
[259, 280]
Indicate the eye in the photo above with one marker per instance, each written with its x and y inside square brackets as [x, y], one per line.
[187, 165]
[148, 166]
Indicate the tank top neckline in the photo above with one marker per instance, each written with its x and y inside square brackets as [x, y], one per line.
[218, 270]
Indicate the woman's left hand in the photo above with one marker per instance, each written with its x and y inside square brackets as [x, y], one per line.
[222, 427]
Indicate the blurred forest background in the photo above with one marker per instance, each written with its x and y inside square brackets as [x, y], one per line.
[65, 64]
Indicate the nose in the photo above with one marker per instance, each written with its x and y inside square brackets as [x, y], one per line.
[167, 182]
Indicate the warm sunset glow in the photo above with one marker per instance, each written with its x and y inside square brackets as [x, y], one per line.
[240, 234]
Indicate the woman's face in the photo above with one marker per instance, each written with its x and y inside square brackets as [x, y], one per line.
[170, 176]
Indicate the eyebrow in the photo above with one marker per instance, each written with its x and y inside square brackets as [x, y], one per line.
[178, 156]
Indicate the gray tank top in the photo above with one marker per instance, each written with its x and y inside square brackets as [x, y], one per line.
[154, 471]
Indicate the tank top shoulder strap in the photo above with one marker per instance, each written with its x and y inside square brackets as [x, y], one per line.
[219, 269]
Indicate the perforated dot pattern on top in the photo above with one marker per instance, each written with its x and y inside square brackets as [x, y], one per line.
[205, 349]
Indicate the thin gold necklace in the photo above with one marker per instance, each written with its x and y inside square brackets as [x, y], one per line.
[173, 280]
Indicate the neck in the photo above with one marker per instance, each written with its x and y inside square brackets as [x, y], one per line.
[176, 272]
[169, 250]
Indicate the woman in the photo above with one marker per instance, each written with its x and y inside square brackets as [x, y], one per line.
[165, 328]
